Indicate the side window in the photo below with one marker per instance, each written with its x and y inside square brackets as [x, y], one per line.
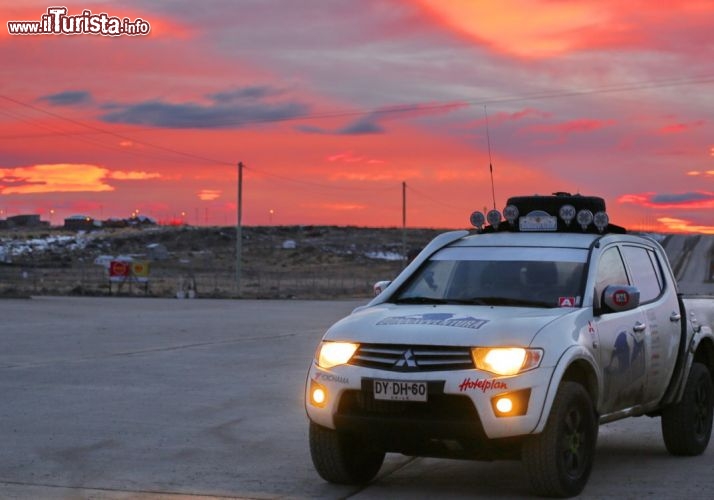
[610, 271]
[657, 267]
[645, 275]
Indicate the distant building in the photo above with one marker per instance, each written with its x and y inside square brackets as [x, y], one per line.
[30, 220]
[80, 223]
[115, 222]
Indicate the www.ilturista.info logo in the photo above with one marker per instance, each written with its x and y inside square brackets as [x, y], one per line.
[57, 22]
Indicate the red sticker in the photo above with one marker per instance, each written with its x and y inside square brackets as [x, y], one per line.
[621, 298]
[566, 301]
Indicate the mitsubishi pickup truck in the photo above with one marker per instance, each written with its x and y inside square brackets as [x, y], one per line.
[515, 340]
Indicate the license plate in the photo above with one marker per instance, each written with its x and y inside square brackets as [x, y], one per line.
[400, 390]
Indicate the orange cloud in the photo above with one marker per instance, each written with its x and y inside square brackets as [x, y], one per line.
[684, 226]
[375, 176]
[350, 157]
[691, 201]
[209, 194]
[527, 28]
[63, 178]
[339, 207]
[706, 173]
[55, 178]
[133, 176]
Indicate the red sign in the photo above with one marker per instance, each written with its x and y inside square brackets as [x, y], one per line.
[119, 269]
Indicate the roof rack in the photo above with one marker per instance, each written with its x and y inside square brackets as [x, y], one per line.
[559, 212]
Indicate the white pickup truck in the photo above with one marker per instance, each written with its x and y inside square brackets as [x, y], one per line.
[515, 341]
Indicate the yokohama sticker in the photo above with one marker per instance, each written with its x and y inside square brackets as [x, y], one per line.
[481, 384]
[331, 378]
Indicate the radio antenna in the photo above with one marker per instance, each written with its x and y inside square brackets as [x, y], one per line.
[490, 164]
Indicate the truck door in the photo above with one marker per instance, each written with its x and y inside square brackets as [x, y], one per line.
[659, 304]
[621, 340]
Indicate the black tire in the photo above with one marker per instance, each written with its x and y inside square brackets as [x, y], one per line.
[559, 459]
[341, 458]
[687, 425]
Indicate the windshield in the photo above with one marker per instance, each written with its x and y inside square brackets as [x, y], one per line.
[537, 277]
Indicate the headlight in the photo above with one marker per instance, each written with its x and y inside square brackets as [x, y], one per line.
[506, 360]
[331, 354]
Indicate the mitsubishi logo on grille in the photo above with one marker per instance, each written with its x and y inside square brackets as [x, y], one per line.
[407, 359]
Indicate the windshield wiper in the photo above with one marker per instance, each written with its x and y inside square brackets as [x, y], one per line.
[507, 301]
[420, 300]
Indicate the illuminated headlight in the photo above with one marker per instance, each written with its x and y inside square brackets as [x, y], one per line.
[506, 360]
[331, 354]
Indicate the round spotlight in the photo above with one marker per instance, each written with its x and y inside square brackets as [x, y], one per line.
[477, 219]
[567, 213]
[494, 218]
[511, 214]
[601, 220]
[585, 218]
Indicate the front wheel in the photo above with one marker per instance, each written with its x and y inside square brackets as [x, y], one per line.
[687, 425]
[341, 458]
[559, 459]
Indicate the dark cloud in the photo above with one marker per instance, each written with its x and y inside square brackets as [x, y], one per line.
[191, 115]
[362, 126]
[311, 129]
[251, 92]
[673, 199]
[68, 98]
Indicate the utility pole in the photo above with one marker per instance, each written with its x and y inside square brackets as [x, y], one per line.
[239, 227]
[404, 223]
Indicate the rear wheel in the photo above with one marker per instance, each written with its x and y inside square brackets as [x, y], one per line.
[687, 425]
[558, 460]
[341, 458]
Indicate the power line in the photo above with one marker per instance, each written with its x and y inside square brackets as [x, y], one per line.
[120, 136]
[315, 184]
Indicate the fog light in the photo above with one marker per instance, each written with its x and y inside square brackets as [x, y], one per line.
[318, 394]
[319, 397]
[504, 405]
[511, 404]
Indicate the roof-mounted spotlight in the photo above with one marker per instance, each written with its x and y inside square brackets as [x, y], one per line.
[601, 220]
[511, 214]
[494, 218]
[585, 218]
[478, 220]
[567, 214]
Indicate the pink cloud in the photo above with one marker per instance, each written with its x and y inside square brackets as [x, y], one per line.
[678, 128]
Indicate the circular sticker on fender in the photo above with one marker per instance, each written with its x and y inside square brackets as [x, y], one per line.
[621, 298]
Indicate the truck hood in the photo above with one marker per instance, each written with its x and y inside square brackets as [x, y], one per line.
[452, 325]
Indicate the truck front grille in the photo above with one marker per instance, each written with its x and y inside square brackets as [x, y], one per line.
[412, 358]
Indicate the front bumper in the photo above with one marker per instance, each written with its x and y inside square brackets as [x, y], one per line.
[460, 405]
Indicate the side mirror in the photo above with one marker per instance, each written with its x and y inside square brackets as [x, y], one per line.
[619, 298]
[380, 286]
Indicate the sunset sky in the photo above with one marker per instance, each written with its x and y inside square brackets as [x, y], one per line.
[332, 104]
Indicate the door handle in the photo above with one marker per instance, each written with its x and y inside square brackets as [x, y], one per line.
[675, 316]
[639, 327]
